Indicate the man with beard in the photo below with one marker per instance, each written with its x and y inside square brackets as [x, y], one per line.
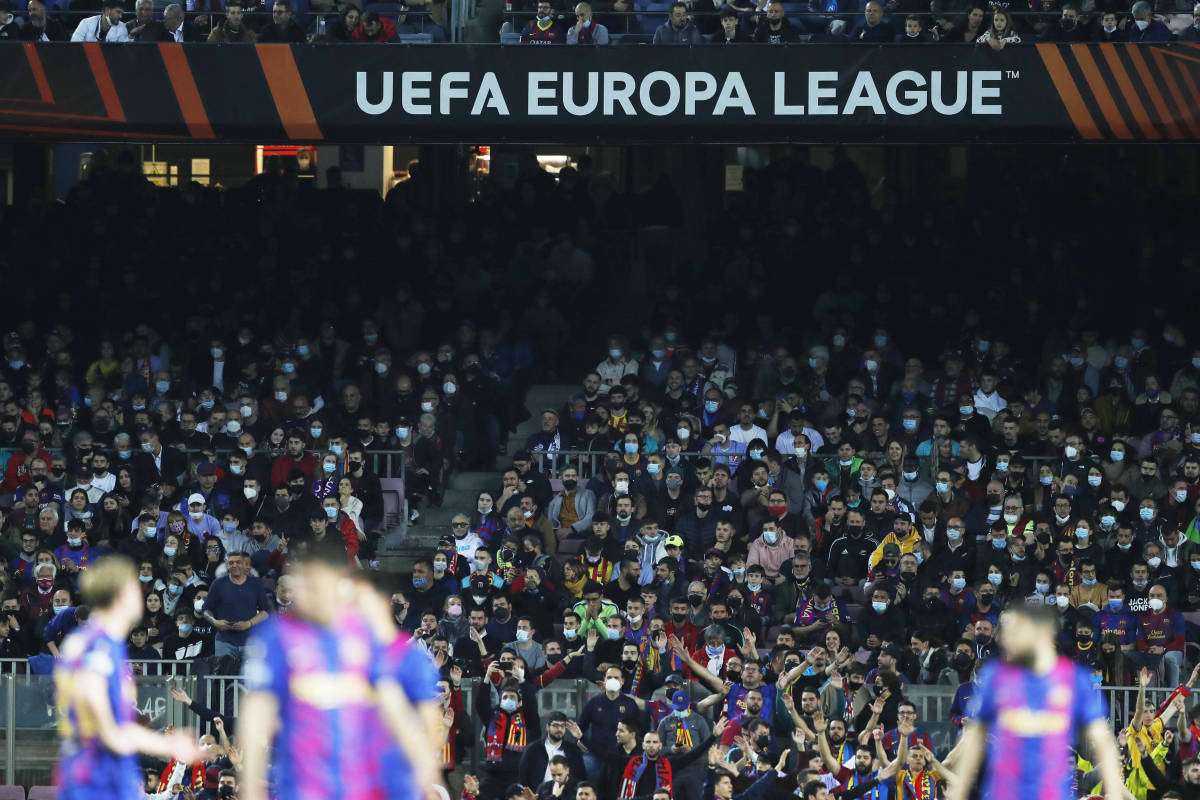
[1032, 682]
[863, 778]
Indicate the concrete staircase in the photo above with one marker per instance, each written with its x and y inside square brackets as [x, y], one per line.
[406, 543]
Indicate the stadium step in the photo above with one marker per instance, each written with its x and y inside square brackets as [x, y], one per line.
[404, 544]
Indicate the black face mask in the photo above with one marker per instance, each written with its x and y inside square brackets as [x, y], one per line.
[734, 604]
[931, 602]
[569, 484]
[678, 618]
[696, 599]
[628, 665]
[703, 506]
[763, 742]
[854, 532]
[995, 499]
[555, 658]
[1083, 638]
[734, 675]
[282, 503]
[355, 466]
[961, 661]
[501, 614]
[225, 791]
[986, 599]
[398, 609]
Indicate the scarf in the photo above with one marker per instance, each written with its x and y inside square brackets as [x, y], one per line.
[635, 682]
[920, 789]
[683, 734]
[633, 774]
[505, 733]
[653, 659]
[575, 587]
[196, 780]
[585, 35]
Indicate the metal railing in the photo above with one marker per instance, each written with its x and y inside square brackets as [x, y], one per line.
[384, 463]
[28, 734]
[589, 462]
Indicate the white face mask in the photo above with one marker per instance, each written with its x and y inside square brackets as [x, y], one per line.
[683, 434]
[612, 685]
[1142, 24]
[196, 515]
[622, 487]
[801, 452]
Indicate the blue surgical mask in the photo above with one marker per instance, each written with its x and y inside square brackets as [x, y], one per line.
[523, 636]
[1095, 480]
[169, 552]
[1146, 514]
[1115, 603]
[909, 424]
[185, 630]
[999, 544]
[328, 468]
[302, 350]
[756, 454]
[60, 609]
[1121, 361]
[124, 454]
[1116, 456]
[880, 341]
[570, 634]
[1046, 480]
[288, 368]
[910, 476]
[162, 386]
[1081, 533]
[711, 406]
[1125, 546]
[229, 527]
[653, 468]
[508, 705]
[879, 607]
[820, 485]
[174, 590]
[331, 512]
[612, 634]
[1001, 466]
[236, 469]
[966, 410]
[754, 587]
[336, 449]
[658, 355]
[993, 579]
[1108, 520]
[959, 584]
[315, 432]
[1089, 581]
[738, 571]
[942, 487]
[631, 448]
[420, 583]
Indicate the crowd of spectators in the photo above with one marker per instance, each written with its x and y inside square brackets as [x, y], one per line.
[756, 531]
[997, 23]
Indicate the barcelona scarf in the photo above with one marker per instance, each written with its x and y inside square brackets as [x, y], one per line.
[652, 658]
[683, 734]
[196, 779]
[633, 773]
[505, 733]
[920, 789]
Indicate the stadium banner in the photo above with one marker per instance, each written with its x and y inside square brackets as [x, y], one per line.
[559, 94]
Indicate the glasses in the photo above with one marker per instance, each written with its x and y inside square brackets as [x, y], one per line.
[458, 524]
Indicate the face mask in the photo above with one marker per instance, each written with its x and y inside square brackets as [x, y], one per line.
[986, 598]
[125, 454]
[845, 462]
[1156, 605]
[953, 534]
[871, 365]
[711, 406]
[522, 636]
[281, 396]
[1071, 452]
[229, 527]
[45, 584]
[60, 609]
[993, 579]
[622, 487]
[879, 607]
[74, 542]
[316, 432]
[281, 503]
[653, 469]
[571, 634]
[208, 404]
[196, 515]
[839, 340]
[1011, 519]
[1062, 601]
[612, 634]
[427, 406]
[401, 433]
[1043, 588]
[754, 587]
[942, 487]
[612, 685]
[1108, 520]
[1154, 562]
[909, 424]
[756, 454]
[1125, 546]
[1094, 480]
[1116, 456]
[1046, 480]
[1002, 466]
[1081, 533]
[999, 544]
[249, 492]
[1089, 581]
[1142, 24]
[1146, 514]
[1180, 495]
[508, 705]
[683, 434]
[821, 485]
[1195, 565]
[966, 411]
[1118, 505]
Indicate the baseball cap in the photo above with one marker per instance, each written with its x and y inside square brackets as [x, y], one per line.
[891, 551]
[680, 700]
[714, 552]
[674, 679]
[196, 497]
[673, 541]
[206, 468]
[893, 650]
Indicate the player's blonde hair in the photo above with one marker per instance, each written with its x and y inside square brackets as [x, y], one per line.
[103, 581]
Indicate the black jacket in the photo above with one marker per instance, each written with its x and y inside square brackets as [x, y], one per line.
[273, 33]
[53, 31]
[534, 762]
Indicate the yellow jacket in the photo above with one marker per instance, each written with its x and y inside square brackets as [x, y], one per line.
[906, 546]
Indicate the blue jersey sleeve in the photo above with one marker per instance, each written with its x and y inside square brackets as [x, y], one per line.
[982, 706]
[266, 668]
[417, 676]
[1089, 703]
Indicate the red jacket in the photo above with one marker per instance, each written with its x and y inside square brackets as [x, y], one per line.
[387, 32]
[17, 471]
[285, 463]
